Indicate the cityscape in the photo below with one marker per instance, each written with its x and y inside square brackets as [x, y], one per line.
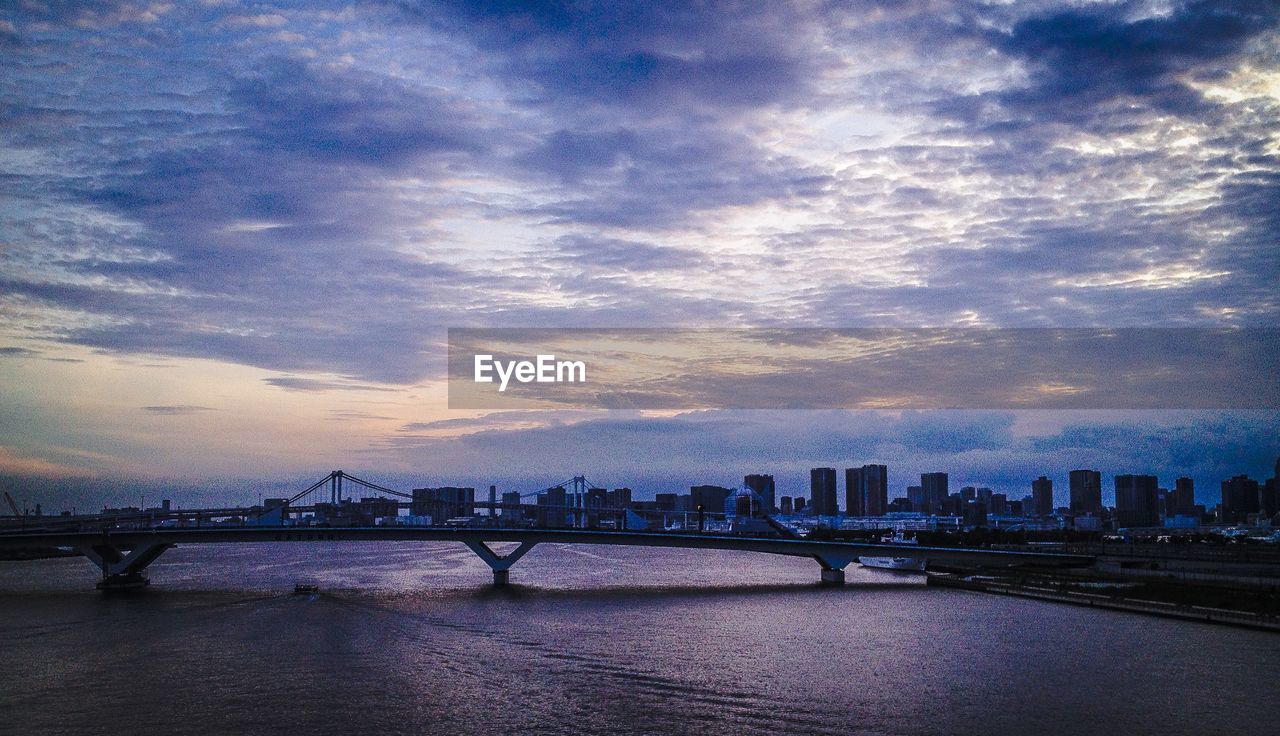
[1248, 508]
[634, 367]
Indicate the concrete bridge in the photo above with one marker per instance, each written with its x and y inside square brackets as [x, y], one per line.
[124, 555]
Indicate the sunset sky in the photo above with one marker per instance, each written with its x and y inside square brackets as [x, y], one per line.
[233, 234]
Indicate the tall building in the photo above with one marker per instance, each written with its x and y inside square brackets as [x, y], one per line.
[934, 486]
[822, 491]
[867, 490]
[853, 504]
[1137, 501]
[762, 485]
[1269, 501]
[1239, 499]
[915, 496]
[1182, 501]
[1041, 497]
[442, 504]
[1086, 492]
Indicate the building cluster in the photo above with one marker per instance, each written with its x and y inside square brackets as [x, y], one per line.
[1141, 503]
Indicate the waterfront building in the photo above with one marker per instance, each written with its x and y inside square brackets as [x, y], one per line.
[822, 489]
[915, 494]
[1041, 497]
[1239, 499]
[762, 486]
[867, 490]
[709, 498]
[1182, 500]
[1137, 501]
[934, 486]
[444, 503]
[1086, 492]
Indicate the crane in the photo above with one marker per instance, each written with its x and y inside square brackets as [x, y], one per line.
[9, 500]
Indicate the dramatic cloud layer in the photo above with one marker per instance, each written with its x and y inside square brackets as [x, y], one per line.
[318, 190]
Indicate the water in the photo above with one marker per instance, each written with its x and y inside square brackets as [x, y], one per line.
[409, 638]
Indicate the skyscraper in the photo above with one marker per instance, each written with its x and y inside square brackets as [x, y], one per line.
[822, 491]
[915, 495]
[853, 505]
[1182, 502]
[1086, 492]
[934, 486]
[1239, 499]
[1137, 500]
[763, 487]
[1042, 497]
[866, 490]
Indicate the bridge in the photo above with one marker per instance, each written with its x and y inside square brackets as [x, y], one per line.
[124, 546]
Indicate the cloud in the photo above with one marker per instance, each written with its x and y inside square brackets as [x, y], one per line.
[13, 462]
[1092, 62]
[296, 383]
[177, 409]
[17, 352]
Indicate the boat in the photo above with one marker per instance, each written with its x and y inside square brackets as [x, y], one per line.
[305, 589]
[900, 564]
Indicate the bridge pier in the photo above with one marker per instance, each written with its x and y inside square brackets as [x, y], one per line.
[122, 571]
[832, 577]
[500, 564]
[833, 565]
[127, 581]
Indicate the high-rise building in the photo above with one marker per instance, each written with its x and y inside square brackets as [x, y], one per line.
[934, 486]
[1269, 501]
[1137, 501]
[1086, 492]
[762, 485]
[998, 504]
[915, 495]
[875, 490]
[442, 504]
[1182, 501]
[1239, 499]
[853, 504]
[1041, 497]
[784, 504]
[822, 491]
[866, 490]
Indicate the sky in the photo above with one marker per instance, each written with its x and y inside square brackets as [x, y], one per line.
[233, 235]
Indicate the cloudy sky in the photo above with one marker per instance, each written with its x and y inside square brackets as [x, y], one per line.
[233, 234]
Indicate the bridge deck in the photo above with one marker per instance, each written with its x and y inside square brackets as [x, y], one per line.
[846, 551]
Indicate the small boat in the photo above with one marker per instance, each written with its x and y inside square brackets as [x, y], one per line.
[305, 589]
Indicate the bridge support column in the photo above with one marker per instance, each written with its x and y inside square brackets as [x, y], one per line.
[832, 577]
[500, 564]
[833, 565]
[122, 571]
